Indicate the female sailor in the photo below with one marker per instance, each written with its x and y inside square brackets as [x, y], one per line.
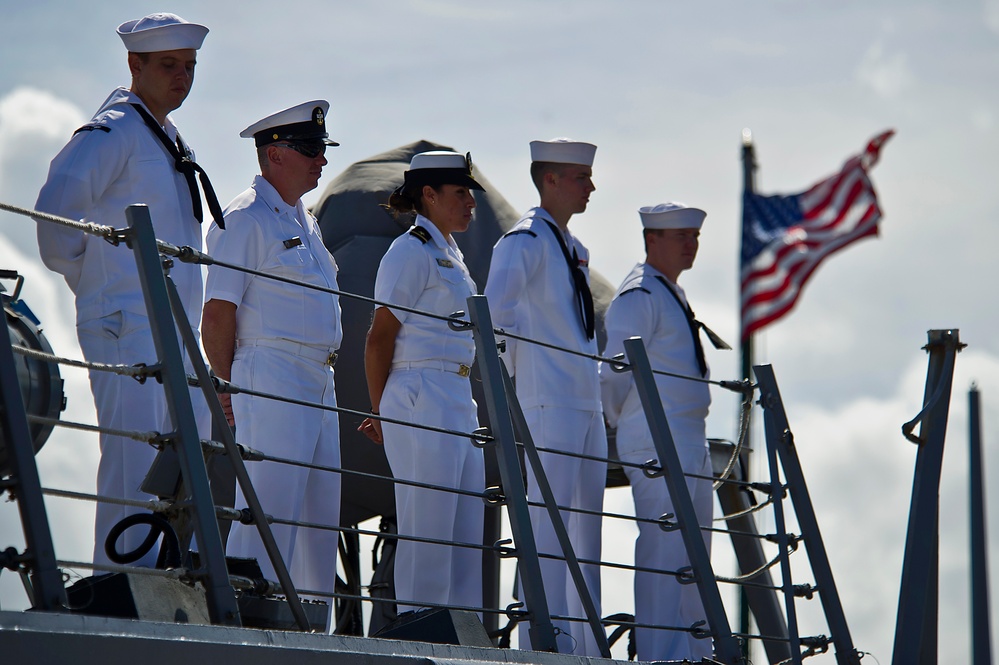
[417, 370]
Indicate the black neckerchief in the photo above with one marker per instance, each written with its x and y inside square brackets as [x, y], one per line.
[579, 284]
[184, 164]
[695, 328]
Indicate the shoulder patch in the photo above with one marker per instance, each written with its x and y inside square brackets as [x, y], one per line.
[519, 231]
[89, 127]
[635, 288]
[421, 233]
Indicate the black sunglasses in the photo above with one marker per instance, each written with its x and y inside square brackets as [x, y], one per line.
[310, 149]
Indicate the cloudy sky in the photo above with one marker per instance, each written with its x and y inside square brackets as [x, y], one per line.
[664, 90]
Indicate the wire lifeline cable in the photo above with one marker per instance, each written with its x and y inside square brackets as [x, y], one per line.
[152, 438]
[424, 604]
[223, 386]
[251, 454]
[188, 254]
[141, 371]
[109, 233]
[181, 574]
[394, 536]
[153, 505]
[485, 496]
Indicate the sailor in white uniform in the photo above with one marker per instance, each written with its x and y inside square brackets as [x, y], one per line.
[538, 287]
[417, 370]
[650, 304]
[281, 339]
[128, 153]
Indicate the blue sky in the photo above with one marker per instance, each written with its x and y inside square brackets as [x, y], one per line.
[664, 89]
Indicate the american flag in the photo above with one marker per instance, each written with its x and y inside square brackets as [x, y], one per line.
[784, 238]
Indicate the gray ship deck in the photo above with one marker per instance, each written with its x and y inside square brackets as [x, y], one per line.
[44, 638]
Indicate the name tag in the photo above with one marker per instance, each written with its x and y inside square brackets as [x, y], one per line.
[292, 242]
[445, 263]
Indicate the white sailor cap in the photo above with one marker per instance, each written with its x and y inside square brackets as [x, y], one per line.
[563, 151]
[304, 123]
[439, 167]
[161, 32]
[671, 215]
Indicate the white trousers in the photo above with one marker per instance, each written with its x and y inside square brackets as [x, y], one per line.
[122, 403]
[575, 483]
[425, 572]
[300, 433]
[659, 599]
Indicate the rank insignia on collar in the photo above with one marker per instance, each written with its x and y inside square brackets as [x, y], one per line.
[421, 233]
[444, 263]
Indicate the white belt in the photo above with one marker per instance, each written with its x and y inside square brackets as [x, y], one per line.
[325, 356]
[442, 365]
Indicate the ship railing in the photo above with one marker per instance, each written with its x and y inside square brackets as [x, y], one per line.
[184, 453]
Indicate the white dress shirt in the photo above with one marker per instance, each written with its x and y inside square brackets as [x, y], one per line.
[111, 163]
[265, 233]
[643, 308]
[531, 293]
[430, 276]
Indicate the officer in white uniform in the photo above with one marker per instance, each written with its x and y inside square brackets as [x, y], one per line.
[128, 153]
[538, 287]
[650, 304]
[417, 369]
[281, 339]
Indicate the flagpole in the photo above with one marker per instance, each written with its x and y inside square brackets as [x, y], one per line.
[748, 187]
[746, 351]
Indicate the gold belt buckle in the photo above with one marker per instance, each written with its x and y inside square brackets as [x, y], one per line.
[464, 370]
[331, 360]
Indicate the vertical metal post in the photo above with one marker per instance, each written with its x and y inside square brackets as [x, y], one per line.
[780, 528]
[46, 579]
[779, 435]
[541, 630]
[916, 622]
[727, 648]
[981, 642]
[222, 605]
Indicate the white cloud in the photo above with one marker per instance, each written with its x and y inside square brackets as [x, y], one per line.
[34, 125]
[888, 74]
[990, 8]
[28, 114]
[983, 119]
